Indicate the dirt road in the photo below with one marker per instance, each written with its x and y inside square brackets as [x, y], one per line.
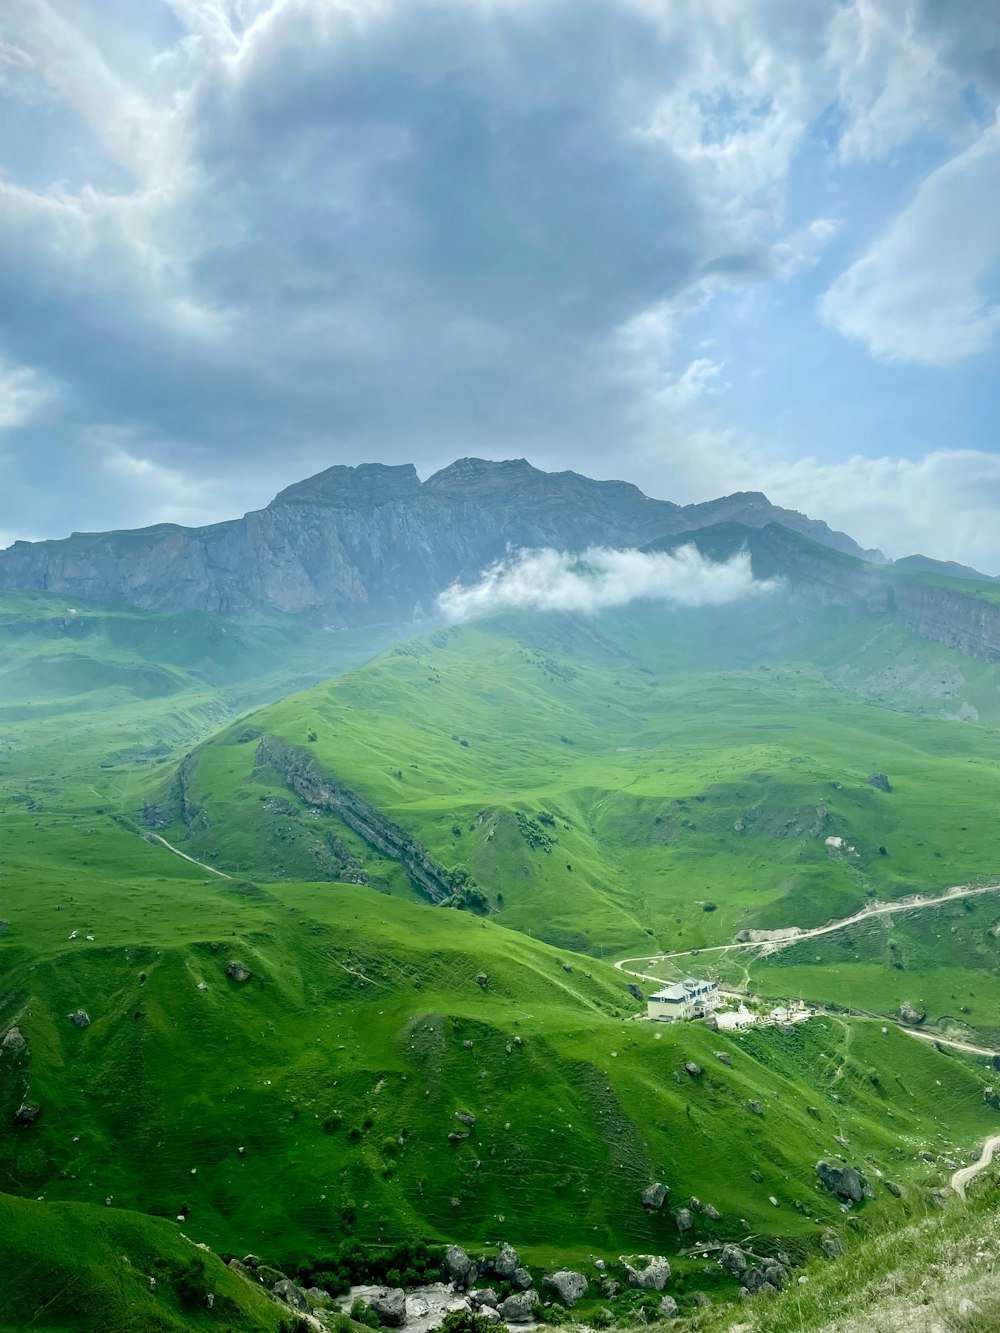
[177, 852]
[914, 904]
[964, 1174]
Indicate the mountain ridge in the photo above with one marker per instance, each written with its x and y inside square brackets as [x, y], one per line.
[373, 543]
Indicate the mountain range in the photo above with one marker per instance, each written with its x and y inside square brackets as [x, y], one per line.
[373, 544]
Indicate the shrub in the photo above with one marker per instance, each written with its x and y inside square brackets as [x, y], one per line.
[465, 1321]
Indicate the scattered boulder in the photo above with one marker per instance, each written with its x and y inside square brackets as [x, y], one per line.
[14, 1041]
[733, 1260]
[521, 1279]
[519, 1308]
[654, 1196]
[458, 1136]
[668, 1308]
[755, 1107]
[893, 1188]
[287, 1291]
[776, 1273]
[569, 1285]
[459, 1266]
[725, 1058]
[236, 971]
[488, 1313]
[466, 1117]
[388, 1304]
[649, 1272]
[843, 1181]
[880, 781]
[691, 1068]
[27, 1113]
[467, 1045]
[250, 1261]
[683, 1219]
[700, 1299]
[80, 1017]
[938, 1198]
[634, 991]
[484, 1296]
[711, 1212]
[507, 1261]
[831, 1244]
[909, 1013]
[318, 1298]
[482, 980]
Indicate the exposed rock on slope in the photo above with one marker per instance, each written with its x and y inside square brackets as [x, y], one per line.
[372, 543]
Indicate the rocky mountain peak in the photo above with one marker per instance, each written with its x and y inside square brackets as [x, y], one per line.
[363, 487]
[480, 476]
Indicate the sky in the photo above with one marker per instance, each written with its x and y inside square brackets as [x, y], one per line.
[701, 245]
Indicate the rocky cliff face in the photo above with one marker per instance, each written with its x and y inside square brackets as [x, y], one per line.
[371, 544]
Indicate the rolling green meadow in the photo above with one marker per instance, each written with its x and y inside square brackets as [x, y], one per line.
[640, 782]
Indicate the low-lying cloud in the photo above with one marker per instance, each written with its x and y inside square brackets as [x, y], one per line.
[599, 578]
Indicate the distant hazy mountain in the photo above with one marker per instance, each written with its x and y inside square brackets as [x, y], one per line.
[373, 543]
[924, 564]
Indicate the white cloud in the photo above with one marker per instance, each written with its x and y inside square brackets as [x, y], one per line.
[23, 393]
[926, 289]
[892, 80]
[549, 580]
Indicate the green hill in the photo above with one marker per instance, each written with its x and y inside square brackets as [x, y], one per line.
[72, 1266]
[578, 780]
[640, 780]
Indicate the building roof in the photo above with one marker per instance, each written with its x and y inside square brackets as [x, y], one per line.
[682, 990]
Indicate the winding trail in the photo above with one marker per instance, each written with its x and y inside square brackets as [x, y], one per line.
[780, 940]
[965, 1174]
[177, 852]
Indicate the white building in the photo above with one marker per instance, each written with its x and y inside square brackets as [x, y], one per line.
[690, 998]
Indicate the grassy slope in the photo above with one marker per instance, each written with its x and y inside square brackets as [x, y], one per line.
[648, 739]
[74, 1266]
[936, 1275]
[309, 1050]
[350, 1037]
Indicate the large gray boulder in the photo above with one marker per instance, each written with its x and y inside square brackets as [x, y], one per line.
[507, 1261]
[843, 1181]
[683, 1219]
[27, 1113]
[287, 1291]
[648, 1272]
[519, 1308]
[733, 1260]
[654, 1196]
[668, 1308]
[459, 1266]
[388, 1304]
[569, 1285]
[80, 1017]
[236, 971]
[484, 1296]
[909, 1013]
[521, 1279]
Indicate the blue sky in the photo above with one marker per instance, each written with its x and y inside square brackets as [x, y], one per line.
[704, 245]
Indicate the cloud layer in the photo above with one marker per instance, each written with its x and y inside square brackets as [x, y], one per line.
[600, 578]
[241, 240]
